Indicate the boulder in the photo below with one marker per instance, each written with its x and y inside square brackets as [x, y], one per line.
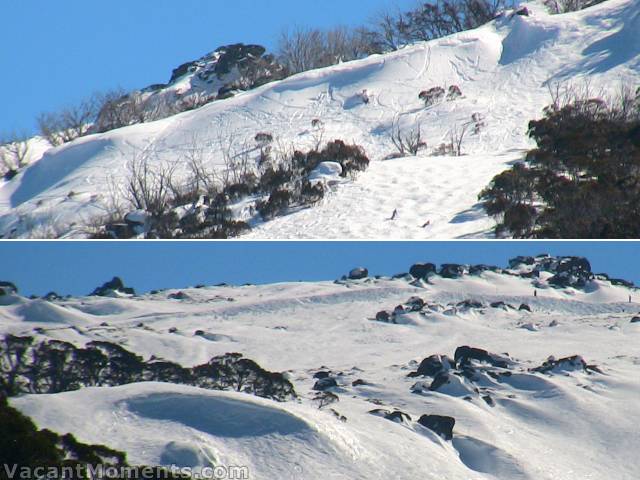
[358, 273]
[442, 425]
[463, 355]
[572, 363]
[383, 316]
[433, 365]
[635, 319]
[325, 383]
[525, 307]
[451, 270]
[422, 270]
[415, 304]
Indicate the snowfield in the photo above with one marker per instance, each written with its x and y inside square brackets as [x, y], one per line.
[503, 70]
[566, 421]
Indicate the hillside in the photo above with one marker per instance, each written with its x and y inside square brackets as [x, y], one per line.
[369, 360]
[504, 71]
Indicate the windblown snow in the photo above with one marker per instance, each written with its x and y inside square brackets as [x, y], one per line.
[574, 417]
[503, 70]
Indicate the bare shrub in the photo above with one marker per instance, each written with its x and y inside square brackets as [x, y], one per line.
[305, 49]
[70, 123]
[149, 184]
[430, 20]
[407, 142]
[456, 136]
[14, 153]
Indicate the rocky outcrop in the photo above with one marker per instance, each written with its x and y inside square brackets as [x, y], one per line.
[112, 288]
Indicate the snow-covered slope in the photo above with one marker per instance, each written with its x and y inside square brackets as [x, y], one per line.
[511, 422]
[503, 70]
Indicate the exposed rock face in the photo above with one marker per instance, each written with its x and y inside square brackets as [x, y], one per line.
[216, 75]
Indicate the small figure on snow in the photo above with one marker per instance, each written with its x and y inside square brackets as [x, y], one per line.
[426, 224]
[394, 214]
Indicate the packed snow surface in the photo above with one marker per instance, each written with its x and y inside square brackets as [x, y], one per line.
[566, 423]
[503, 69]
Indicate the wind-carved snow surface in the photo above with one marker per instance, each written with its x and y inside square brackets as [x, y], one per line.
[503, 70]
[562, 422]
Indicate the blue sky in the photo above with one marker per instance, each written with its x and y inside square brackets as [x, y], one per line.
[54, 53]
[78, 267]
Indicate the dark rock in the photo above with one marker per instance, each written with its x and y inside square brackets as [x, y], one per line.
[358, 273]
[520, 260]
[432, 365]
[574, 362]
[440, 424]
[635, 319]
[7, 288]
[325, 383]
[173, 330]
[415, 304]
[51, 296]
[119, 230]
[178, 296]
[524, 12]
[422, 270]
[199, 333]
[399, 310]
[478, 269]
[489, 401]
[182, 70]
[451, 270]
[440, 379]
[470, 304]
[525, 307]
[531, 274]
[501, 305]
[114, 285]
[395, 416]
[383, 316]
[571, 272]
[464, 354]
[359, 382]
[398, 416]
[622, 283]
[321, 374]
